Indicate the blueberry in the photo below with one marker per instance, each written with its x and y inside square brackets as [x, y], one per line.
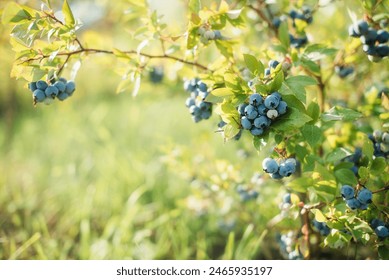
[382, 231]
[363, 206]
[156, 74]
[261, 122]
[32, 86]
[352, 32]
[382, 36]
[262, 110]
[209, 34]
[365, 196]
[256, 131]
[241, 109]
[282, 108]
[376, 223]
[62, 96]
[382, 50]
[347, 192]
[190, 102]
[63, 80]
[194, 110]
[276, 22]
[277, 95]
[51, 91]
[246, 123]
[276, 175]
[273, 63]
[286, 169]
[267, 71]
[39, 95]
[60, 86]
[271, 102]
[272, 114]
[196, 118]
[361, 27]
[287, 198]
[70, 87]
[353, 203]
[370, 37]
[202, 87]
[188, 86]
[370, 49]
[251, 112]
[293, 14]
[255, 99]
[269, 165]
[205, 115]
[218, 34]
[42, 85]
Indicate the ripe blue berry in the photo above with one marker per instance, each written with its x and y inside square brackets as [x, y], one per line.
[60, 86]
[273, 63]
[282, 108]
[353, 203]
[190, 102]
[361, 27]
[62, 96]
[269, 165]
[70, 87]
[261, 122]
[267, 71]
[352, 32]
[255, 99]
[39, 95]
[256, 131]
[382, 50]
[246, 123]
[376, 223]
[262, 110]
[271, 102]
[365, 196]
[251, 112]
[382, 36]
[51, 91]
[347, 192]
[32, 86]
[241, 109]
[42, 85]
[382, 231]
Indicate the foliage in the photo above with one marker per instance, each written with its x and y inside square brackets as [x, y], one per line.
[328, 125]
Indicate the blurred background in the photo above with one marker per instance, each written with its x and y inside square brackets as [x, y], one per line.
[109, 176]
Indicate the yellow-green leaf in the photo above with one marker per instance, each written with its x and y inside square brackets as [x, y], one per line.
[67, 12]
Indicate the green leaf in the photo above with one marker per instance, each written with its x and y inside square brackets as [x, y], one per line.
[253, 64]
[293, 119]
[277, 81]
[221, 92]
[14, 13]
[319, 216]
[195, 6]
[231, 130]
[292, 101]
[337, 154]
[283, 35]
[368, 148]
[312, 134]
[313, 111]
[296, 85]
[67, 12]
[317, 51]
[378, 165]
[192, 39]
[363, 173]
[346, 176]
[338, 113]
[300, 184]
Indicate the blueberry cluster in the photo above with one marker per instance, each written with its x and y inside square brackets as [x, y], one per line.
[381, 143]
[298, 42]
[321, 227]
[375, 42]
[305, 14]
[284, 168]
[356, 200]
[246, 194]
[380, 228]
[343, 71]
[44, 92]
[207, 35]
[258, 115]
[198, 107]
[156, 74]
[221, 124]
[288, 249]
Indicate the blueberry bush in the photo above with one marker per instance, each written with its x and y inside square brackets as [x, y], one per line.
[306, 94]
